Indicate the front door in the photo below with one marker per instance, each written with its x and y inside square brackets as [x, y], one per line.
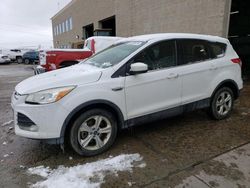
[158, 89]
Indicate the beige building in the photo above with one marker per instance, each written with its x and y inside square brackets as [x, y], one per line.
[81, 19]
[135, 17]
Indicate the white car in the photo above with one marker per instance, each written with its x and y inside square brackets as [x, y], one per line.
[4, 59]
[15, 55]
[138, 80]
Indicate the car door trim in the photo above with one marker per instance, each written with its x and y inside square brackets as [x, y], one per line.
[171, 112]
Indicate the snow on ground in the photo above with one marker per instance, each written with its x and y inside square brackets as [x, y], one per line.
[89, 175]
[7, 123]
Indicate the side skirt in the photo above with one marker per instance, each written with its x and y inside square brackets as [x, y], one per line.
[167, 113]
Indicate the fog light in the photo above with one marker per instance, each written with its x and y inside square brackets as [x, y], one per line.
[25, 123]
[32, 128]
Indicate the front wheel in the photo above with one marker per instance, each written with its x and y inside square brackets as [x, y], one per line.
[27, 61]
[93, 132]
[222, 103]
[19, 60]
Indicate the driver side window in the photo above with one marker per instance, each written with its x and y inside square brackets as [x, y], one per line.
[159, 56]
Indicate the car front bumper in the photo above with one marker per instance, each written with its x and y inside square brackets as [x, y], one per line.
[4, 61]
[43, 122]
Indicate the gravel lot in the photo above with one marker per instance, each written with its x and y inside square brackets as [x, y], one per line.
[186, 151]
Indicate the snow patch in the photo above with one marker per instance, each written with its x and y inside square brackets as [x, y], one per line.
[89, 175]
[6, 155]
[40, 171]
[7, 123]
[21, 166]
[142, 165]
[130, 184]
[244, 113]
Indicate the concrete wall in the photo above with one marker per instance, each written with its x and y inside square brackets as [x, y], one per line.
[83, 12]
[136, 17]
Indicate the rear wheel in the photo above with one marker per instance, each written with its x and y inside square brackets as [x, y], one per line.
[222, 103]
[93, 132]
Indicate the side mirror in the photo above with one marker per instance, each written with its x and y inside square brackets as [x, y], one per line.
[138, 68]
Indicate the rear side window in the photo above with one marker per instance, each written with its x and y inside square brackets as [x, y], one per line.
[193, 51]
[218, 49]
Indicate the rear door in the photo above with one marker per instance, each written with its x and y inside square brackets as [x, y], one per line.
[197, 69]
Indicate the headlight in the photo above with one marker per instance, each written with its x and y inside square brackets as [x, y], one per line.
[48, 96]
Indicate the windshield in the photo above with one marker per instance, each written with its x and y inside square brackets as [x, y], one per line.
[113, 55]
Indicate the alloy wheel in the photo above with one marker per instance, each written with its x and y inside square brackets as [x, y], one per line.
[224, 103]
[94, 132]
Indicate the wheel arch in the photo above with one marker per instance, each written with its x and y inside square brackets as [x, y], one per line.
[103, 104]
[230, 84]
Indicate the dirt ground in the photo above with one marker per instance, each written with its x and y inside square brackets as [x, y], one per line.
[186, 151]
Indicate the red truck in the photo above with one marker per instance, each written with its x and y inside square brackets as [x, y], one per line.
[59, 58]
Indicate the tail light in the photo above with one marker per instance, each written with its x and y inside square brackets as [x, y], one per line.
[93, 46]
[237, 61]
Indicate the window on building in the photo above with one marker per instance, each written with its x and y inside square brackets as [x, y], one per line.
[54, 31]
[63, 27]
[57, 30]
[67, 25]
[70, 23]
[60, 28]
[108, 24]
[88, 31]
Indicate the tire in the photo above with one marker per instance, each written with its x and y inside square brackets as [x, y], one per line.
[27, 61]
[222, 104]
[99, 131]
[19, 60]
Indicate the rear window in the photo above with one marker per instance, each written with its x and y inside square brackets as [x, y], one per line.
[218, 49]
[194, 51]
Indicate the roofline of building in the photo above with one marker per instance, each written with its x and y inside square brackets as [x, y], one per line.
[62, 10]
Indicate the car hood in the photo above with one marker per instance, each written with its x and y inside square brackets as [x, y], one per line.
[71, 76]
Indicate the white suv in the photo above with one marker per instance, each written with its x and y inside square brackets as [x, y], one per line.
[137, 80]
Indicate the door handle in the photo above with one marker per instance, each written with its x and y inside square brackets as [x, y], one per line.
[117, 88]
[172, 76]
[213, 67]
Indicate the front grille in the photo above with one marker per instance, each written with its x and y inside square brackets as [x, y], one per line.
[24, 121]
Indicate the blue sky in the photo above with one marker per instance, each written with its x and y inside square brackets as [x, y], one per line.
[26, 23]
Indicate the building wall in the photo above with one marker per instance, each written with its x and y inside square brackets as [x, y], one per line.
[83, 12]
[136, 17]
